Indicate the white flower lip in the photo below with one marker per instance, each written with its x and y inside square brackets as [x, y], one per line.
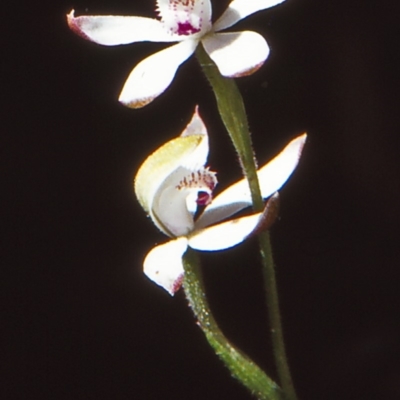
[188, 23]
[169, 185]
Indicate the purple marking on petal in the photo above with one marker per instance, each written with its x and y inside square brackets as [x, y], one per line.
[186, 28]
[177, 284]
[203, 198]
[204, 178]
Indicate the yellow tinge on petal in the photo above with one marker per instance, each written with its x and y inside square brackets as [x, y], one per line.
[159, 165]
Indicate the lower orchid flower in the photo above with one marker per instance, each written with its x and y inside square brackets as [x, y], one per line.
[173, 181]
[187, 22]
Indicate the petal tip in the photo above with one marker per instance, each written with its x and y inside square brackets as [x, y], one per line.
[269, 215]
[176, 285]
[304, 136]
[196, 125]
[163, 265]
[75, 25]
[302, 141]
[249, 71]
[70, 15]
[137, 103]
[71, 19]
[168, 282]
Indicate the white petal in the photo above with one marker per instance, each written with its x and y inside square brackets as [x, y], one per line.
[224, 235]
[274, 174]
[173, 209]
[237, 53]
[169, 206]
[154, 74]
[163, 264]
[239, 9]
[196, 127]
[272, 177]
[182, 152]
[165, 168]
[175, 202]
[111, 30]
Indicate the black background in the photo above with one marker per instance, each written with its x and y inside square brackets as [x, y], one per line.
[81, 321]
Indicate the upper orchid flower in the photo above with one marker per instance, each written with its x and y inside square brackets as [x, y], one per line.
[187, 22]
[173, 181]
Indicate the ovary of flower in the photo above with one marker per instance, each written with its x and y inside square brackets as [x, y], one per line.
[187, 22]
[173, 181]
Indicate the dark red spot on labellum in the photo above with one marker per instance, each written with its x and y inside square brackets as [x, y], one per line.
[203, 198]
[186, 28]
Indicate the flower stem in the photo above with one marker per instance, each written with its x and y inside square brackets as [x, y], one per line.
[233, 114]
[240, 366]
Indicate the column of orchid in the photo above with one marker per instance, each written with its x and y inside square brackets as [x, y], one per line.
[175, 179]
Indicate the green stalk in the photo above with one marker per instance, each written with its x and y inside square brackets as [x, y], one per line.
[240, 366]
[233, 114]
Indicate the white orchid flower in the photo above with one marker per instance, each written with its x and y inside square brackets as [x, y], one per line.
[173, 181]
[187, 22]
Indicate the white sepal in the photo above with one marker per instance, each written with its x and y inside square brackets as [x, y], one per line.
[224, 49]
[272, 176]
[239, 9]
[112, 30]
[164, 266]
[154, 74]
[163, 184]
[224, 235]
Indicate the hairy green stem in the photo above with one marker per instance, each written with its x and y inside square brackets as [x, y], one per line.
[233, 114]
[272, 299]
[240, 366]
